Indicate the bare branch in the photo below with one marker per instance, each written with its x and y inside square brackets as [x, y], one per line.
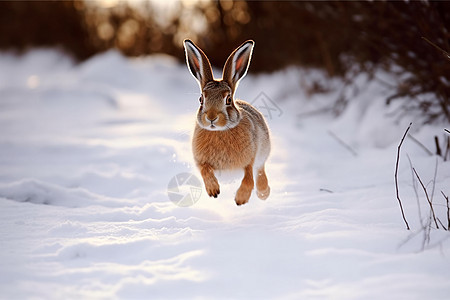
[438, 147]
[448, 210]
[442, 224]
[396, 176]
[421, 145]
[428, 198]
[447, 150]
[342, 143]
[445, 53]
[414, 184]
[434, 180]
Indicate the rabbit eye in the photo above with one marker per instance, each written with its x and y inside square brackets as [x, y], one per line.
[200, 99]
[228, 101]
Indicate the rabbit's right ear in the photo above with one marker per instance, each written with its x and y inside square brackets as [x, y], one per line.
[237, 64]
[198, 63]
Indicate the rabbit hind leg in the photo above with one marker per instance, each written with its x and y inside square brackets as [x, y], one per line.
[262, 184]
[245, 190]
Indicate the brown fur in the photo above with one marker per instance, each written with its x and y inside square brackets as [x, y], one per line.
[234, 148]
[227, 137]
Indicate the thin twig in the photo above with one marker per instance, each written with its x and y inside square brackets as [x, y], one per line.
[421, 145]
[428, 198]
[414, 183]
[426, 235]
[438, 243]
[447, 150]
[438, 147]
[442, 224]
[445, 53]
[396, 176]
[434, 179]
[342, 143]
[411, 236]
[446, 130]
[448, 210]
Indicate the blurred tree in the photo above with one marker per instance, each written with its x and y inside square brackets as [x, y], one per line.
[33, 23]
[130, 29]
[343, 38]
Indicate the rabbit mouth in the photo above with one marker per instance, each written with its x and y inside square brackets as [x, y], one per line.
[214, 123]
[214, 127]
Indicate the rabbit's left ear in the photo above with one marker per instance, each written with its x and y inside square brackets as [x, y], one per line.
[237, 64]
[198, 63]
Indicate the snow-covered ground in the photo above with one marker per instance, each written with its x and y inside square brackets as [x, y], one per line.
[87, 153]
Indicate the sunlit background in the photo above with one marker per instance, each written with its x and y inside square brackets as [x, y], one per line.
[407, 38]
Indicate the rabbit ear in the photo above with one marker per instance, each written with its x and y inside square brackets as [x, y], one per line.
[198, 63]
[237, 64]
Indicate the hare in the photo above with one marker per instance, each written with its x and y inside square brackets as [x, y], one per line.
[229, 133]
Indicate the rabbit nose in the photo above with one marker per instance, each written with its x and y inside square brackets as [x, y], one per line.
[211, 119]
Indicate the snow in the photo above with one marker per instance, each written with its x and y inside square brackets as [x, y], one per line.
[87, 153]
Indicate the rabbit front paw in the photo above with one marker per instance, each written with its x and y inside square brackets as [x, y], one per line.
[243, 195]
[212, 188]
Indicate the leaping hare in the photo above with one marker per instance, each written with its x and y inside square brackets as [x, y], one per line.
[229, 133]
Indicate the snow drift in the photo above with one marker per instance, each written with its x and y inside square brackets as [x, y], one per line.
[87, 152]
